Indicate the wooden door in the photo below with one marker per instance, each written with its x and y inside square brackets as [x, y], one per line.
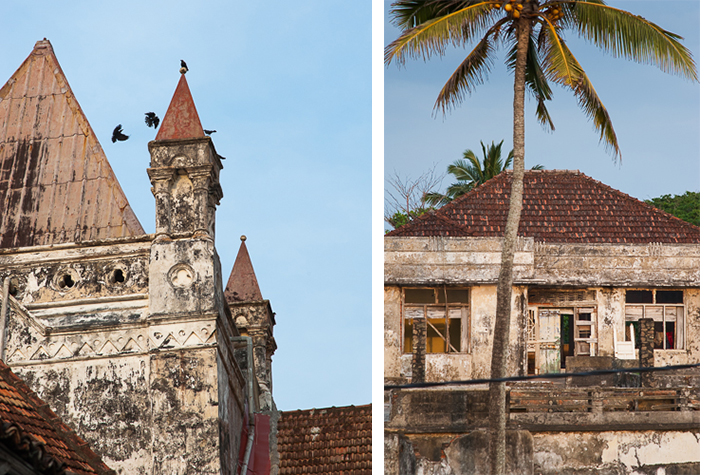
[549, 341]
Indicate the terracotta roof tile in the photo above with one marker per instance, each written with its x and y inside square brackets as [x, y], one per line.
[29, 428]
[56, 184]
[336, 440]
[558, 206]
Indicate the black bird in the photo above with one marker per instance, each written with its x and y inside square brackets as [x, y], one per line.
[183, 64]
[209, 132]
[118, 134]
[152, 120]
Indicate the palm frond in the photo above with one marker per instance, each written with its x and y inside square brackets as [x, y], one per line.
[459, 188]
[443, 26]
[436, 200]
[410, 13]
[466, 170]
[564, 69]
[472, 72]
[630, 36]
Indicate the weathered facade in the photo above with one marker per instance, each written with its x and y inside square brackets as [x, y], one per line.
[602, 281]
[128, 336]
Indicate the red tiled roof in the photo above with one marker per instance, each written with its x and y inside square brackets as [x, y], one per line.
[26, 418]
[56, 185]
[558, 206]
[336, 440]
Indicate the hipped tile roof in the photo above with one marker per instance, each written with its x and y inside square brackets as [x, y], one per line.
[336, 440]
[36, 434]
[559, 206]
[56, 185]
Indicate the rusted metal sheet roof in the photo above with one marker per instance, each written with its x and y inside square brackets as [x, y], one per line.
[181, 121]
[56, 184]
[333, 441]
[559, 206]
[31, 430]
[242, 285]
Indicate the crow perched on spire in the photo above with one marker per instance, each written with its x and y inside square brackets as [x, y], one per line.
[209, 132]
[183, 64]
[152, 120]
[118, 134]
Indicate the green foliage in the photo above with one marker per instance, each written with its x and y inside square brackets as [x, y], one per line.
[685, 206]
[401, 218]
[472, 172]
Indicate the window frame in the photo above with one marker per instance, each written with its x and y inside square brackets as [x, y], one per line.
[432, 311]
[677, 317]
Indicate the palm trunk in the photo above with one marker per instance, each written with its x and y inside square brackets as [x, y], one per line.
[504, 291]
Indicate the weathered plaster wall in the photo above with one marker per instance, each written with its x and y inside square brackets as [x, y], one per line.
[393, 332]
[610, 315]
[483, 316]
[106, 401]
[618, 453]
[144, 388]
[692, 326]
[451, 260]
[626, 265]
[184, 396]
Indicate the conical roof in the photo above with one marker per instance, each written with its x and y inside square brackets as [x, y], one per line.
[242, 285]
[559, 206]
[56, 184]
[181, 121]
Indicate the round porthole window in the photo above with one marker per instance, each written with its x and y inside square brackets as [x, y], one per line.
[181, 275]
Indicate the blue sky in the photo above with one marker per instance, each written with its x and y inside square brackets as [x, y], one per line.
[287, 86]
[655, 115]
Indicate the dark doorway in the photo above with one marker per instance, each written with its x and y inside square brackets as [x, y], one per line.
[567, 337]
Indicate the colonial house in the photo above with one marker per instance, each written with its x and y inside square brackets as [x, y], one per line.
[601, 281]
[130, 337]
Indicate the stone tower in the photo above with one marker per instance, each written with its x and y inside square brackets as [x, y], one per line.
[126, 335]
[255, 321]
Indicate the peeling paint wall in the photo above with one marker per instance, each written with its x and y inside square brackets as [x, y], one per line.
[623, 453]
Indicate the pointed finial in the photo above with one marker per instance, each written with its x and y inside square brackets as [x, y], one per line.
[243, 238]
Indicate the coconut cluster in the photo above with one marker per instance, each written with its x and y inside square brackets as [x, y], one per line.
[513, 7]
[554, 13]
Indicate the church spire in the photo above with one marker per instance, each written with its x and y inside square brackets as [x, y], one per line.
[181, 121]
[242, 285]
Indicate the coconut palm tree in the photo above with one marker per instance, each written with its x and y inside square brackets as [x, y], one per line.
[470, 172]
[533, 33]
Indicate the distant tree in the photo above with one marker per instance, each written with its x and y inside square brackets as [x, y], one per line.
[405, 196]
[472, 172]
[685, 206]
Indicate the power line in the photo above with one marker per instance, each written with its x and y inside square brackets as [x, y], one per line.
[540, 376]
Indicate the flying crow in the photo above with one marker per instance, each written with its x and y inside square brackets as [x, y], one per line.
[152, 120]
[209, 132]
[183, 64]
[118, 134]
